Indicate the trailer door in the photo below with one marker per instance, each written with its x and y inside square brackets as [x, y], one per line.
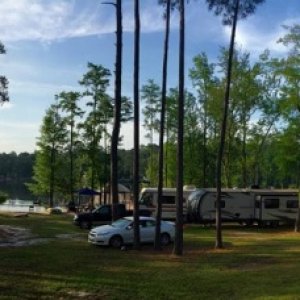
[270, 208]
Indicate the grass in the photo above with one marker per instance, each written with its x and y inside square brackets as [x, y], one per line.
[255, 264]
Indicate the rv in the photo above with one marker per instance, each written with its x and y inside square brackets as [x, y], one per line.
[148, 200]
[245, 206]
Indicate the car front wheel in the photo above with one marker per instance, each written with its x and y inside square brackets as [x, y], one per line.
[165, 239]
[116, 241]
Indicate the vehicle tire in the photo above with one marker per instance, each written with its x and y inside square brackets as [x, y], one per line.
[165, 239]
[246, 223]
[85, 225]
[274, 224]
[116, 241]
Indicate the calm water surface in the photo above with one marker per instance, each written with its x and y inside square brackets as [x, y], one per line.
[21, 206]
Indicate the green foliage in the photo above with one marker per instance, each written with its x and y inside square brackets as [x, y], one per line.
[3, 81]
[94, 127]
[3, 197]
[262, 134]
[150, 94]
[226, 8]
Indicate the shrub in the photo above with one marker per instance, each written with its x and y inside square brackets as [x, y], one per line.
[3, 197]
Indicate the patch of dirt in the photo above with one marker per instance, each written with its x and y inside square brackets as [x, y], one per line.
[13, 236]
[18, 237]
[86, 295]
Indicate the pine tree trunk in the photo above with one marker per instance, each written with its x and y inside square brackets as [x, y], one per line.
[297, 222]
[51, 190]
[157, 244]
[136, 125]
[117, 109]
[71, 162]
[178, 245]
[219, 242]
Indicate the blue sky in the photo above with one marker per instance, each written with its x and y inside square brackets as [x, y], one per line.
[49, 43]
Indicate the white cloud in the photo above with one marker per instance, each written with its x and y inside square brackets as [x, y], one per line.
[18, 125]
[6, 105]
[42, 88]
[58, 19]
[255, 39]
[32, 19]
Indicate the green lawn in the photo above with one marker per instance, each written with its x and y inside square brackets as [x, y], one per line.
[255, 264]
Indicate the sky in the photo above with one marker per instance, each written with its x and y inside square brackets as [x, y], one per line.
[50, 42]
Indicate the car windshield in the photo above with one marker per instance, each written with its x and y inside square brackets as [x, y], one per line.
[121, 223]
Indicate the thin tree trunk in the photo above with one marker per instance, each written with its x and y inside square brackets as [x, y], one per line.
[71, 162]
[93, 150]
[51, 192]
[105, 167]
[178, 244]
[117, 109]
[157, 244]
[244, 153]
[136, 125]
[297, 222]
[219, 242]
[205, 147]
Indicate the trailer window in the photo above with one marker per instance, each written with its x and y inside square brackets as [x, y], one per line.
[292, 204]
[271, 203]
[168, 199]
[146, 199]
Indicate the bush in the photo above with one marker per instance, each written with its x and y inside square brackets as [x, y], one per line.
[3, 197]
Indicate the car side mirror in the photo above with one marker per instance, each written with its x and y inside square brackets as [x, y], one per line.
[129, 227]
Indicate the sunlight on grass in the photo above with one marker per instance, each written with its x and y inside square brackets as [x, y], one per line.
[255, 264]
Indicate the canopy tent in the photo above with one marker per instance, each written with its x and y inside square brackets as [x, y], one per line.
[87, 192]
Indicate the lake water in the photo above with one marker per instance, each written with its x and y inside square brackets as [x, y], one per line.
[25, 206]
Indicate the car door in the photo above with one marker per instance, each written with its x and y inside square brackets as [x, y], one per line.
[127, 233]
[102, 215]
[147, 230]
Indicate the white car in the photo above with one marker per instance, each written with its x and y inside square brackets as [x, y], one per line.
[120, 232]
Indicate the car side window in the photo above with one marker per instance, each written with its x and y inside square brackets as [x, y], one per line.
[104, 210]
[143, 223]
[150, 223]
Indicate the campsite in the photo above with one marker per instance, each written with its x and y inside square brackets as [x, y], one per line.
[254, 264]
[175, 123]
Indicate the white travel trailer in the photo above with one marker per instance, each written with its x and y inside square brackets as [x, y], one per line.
[274, 207]
[148, 200]
[245, 206]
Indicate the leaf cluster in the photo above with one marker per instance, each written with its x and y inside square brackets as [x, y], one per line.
[226, 8]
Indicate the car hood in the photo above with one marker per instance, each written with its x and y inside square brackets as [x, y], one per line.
[104, 228]
[84, 215]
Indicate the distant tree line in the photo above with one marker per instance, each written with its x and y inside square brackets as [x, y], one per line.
[17, 170]
[16, 167]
